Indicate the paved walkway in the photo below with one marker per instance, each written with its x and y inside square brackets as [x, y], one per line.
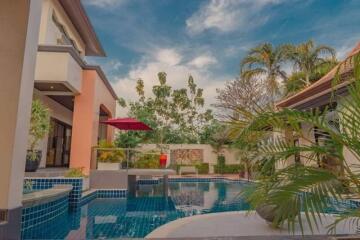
[235, 225]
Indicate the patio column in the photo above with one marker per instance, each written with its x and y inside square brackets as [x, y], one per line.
[85, 123]
[19, 25]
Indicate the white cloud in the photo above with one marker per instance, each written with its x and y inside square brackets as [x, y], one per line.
[168, 56]
[177, 76]
[103, 3]
[203, 61]
[228, 15]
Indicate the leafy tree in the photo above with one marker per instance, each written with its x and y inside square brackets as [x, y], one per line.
[265, 61]
[308, 58]
[175, 115]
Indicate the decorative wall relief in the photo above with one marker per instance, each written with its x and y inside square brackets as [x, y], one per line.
[186, 156]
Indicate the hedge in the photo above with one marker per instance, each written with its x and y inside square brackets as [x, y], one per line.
[203, 168]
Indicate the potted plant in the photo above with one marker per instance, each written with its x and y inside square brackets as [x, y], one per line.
[39, 127]
[109, 157]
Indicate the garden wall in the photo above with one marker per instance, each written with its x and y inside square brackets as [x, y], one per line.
[188, 154]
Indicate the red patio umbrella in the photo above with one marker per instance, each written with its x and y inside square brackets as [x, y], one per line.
[128, 124]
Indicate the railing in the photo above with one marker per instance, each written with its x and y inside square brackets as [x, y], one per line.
[124, 158]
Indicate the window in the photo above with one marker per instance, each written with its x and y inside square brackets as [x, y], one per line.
[65, 38]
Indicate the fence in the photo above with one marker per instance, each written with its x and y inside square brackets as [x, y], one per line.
[124, 158]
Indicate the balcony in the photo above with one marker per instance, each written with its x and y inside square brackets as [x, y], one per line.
[58, 71]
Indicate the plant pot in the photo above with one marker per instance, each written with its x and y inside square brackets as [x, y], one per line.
[267, 212]
[32, 164]
[108, 166]
[163, 160]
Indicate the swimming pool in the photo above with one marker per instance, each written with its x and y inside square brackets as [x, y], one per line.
[135, 217]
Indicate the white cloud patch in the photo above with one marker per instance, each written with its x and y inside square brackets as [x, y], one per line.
[228, 15]
[203, 61]
[168, 56]
[104, 3]
[169, 61]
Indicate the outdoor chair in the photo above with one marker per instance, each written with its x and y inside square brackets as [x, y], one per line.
[188, 169]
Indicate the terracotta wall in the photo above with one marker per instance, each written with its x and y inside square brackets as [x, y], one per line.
[86, 118]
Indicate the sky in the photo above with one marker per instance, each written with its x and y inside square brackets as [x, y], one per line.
[208, 38]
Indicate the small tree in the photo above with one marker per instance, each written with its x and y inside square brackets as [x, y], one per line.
[175, 115]
[39, 125]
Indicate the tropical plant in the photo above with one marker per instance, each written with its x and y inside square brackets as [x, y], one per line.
[323, 176]
[39, 125]
[265, 61]
[148, 159]
[308, 58]
[75, 173]
[109, 153]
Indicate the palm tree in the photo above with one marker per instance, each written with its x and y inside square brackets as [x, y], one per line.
[308, 57]
[266, 61]
[304, 187]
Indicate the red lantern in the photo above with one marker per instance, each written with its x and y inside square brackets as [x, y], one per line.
[163, 159]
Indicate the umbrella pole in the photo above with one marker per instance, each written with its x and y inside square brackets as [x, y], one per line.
[127, 152]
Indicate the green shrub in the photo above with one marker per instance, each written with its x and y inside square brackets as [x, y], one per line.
[229, 168]
[39, 125]
[221, 160]
[75, 172]
[110, 154]
[148, 160]
[203, 168]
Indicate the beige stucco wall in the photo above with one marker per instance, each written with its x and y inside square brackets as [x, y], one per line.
[58, 67]
[350, 158]
[19, 24]
[49, 32]
[209, 154]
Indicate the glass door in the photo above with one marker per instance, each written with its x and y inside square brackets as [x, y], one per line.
[59, 142]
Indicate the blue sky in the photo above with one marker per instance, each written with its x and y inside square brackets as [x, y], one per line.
[208, 38]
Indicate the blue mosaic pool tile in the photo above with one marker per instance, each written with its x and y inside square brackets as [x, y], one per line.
[35, 215]
[194, 179]
[147, 181]
[46, 183]
[111, 193]
[89, 197]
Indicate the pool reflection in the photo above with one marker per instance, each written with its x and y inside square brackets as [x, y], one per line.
[138, 216]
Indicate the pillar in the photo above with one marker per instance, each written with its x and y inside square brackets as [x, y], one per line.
[85, 123]
[19, 25]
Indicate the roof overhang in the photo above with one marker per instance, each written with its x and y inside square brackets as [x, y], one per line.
[322, 91]
[76, 12]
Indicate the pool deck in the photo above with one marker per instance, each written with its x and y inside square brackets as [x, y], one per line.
[236, 225]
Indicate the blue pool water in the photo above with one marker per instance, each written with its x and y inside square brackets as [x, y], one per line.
[135, 217]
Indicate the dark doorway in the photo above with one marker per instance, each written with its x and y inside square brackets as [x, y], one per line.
[59, 144]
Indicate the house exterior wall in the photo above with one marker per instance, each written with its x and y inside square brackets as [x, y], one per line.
[86, 119]
[58, 67]
[20, 21]
[49, 32]
[350, 158]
